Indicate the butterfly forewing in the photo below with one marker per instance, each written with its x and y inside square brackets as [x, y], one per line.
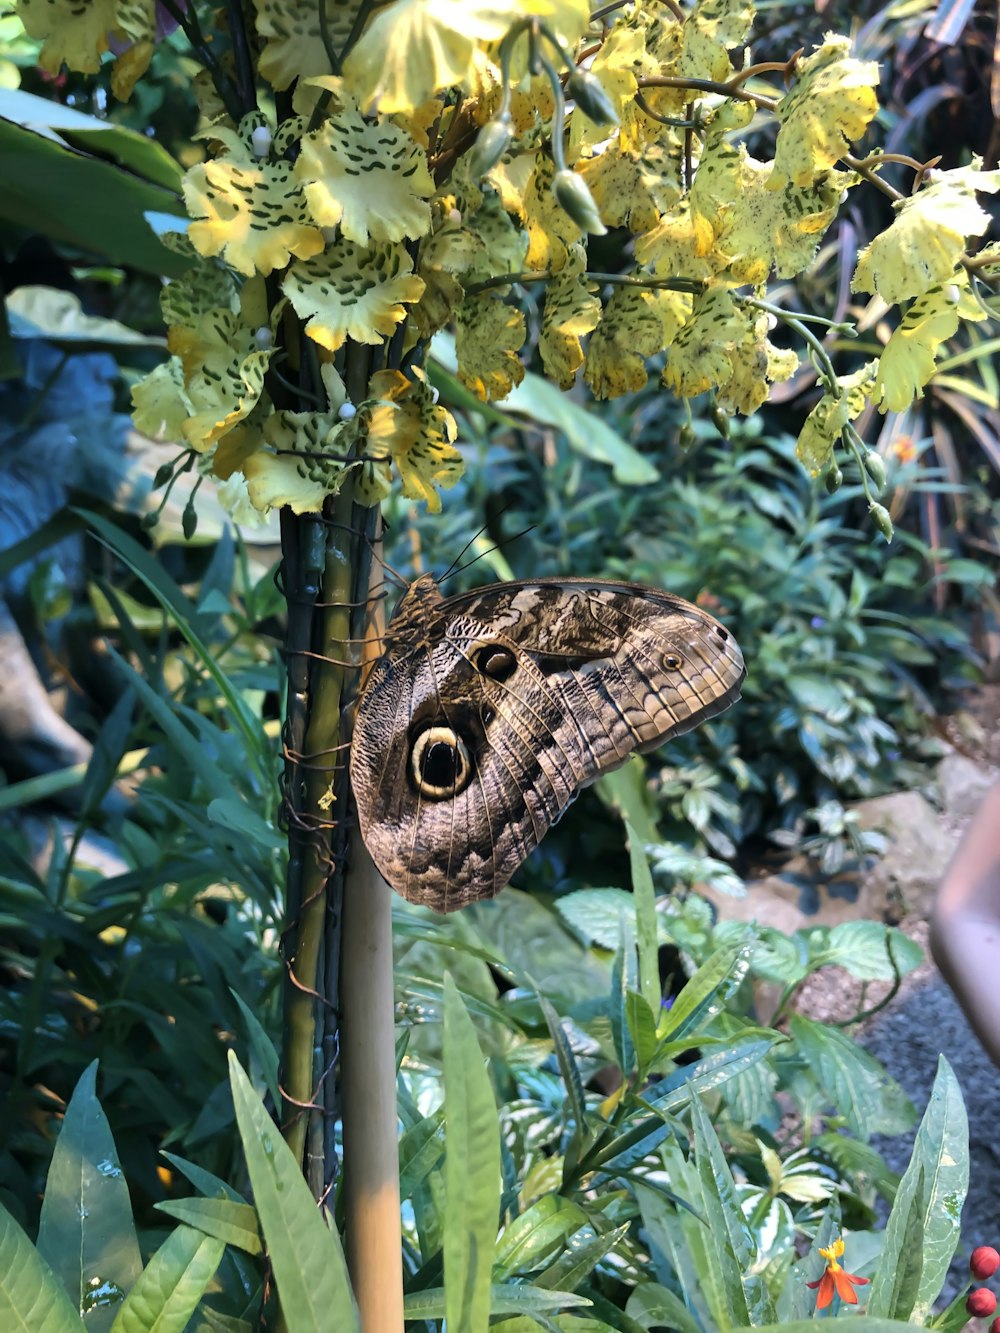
[489, 711]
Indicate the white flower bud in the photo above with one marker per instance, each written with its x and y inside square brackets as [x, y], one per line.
[346, 411]
[260, 140]
[454, 217]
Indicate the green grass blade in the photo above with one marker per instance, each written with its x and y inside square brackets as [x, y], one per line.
[86, 1233]
[174, 1281]
[472, 1171]
[645, 921]
[305, 1254]
[32, 1300]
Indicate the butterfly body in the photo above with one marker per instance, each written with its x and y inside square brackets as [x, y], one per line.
[489, 711]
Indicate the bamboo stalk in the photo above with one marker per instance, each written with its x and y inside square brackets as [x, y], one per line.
[368, 1065]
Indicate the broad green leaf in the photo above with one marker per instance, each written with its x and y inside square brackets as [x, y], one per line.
[109, 749]
[262, 1047]
[211, 1186]
[508, 1298]
[171, 1285]
[926, 1217]
[532, 1237]
[471, 1170]
[854, 1083]
[747, 1297]
[860, 947]
[234, 1223]
[645, 922]
[596, 914]
[654, 1306]
[305, 1254]
[58, 316]
[86, 1232]
[707, 991]
[239, 817]
[676, 1242]
[812, 1266]
[76, 198]
[32, 1299]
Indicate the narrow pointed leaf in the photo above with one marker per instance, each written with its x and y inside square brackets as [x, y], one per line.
[262, 1047]
[86, 1233]
[472, 1171]
[532, 1237]
[707, 991]
[305, 1254]
[645, 921]
[746, 1295]
[234, 1223]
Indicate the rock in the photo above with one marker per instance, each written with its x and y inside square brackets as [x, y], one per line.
[906, 878]
[963, 784]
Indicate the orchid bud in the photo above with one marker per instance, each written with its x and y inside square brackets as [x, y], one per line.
[875, 468]
[588, 93]
[881, 519]
[573, 197]
[163, 474]
[491, 144]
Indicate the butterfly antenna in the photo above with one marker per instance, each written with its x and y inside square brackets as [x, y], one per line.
[480, 555]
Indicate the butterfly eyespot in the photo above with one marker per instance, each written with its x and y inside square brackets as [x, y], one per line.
[673, 661]
[487, 714]
[496, 662]
[440, 765]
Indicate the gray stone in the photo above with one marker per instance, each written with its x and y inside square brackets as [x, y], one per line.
[905, 878]
[963, 784]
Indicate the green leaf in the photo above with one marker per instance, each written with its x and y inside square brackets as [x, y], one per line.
[234, 1223]
[32, 1299]
[203, 1181]
[626, 791]
[239, 817]
[262, 1047]
[670, 1095]
[171, 1285]
[109, 748]
[532, 1237]
[86, 1233]
[747, 1297]
[645, 922]
[570, 1073]
[421, 1151]
[509, 1298]
[622, 980]
[471, 1169]
[853, 1082]
[707, 991]
[578, 1261]
[308, 1262]
[642, 1029]
[860, 947]
[58, 316]
[55, 186]
[923, 1229]
[654, 1306]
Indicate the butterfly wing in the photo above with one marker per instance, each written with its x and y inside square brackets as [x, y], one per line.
[491, 710]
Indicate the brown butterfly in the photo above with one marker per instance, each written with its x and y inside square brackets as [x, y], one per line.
[489, 711]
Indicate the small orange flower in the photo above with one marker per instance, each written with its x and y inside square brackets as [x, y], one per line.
[904, 450]
[836, 1279]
